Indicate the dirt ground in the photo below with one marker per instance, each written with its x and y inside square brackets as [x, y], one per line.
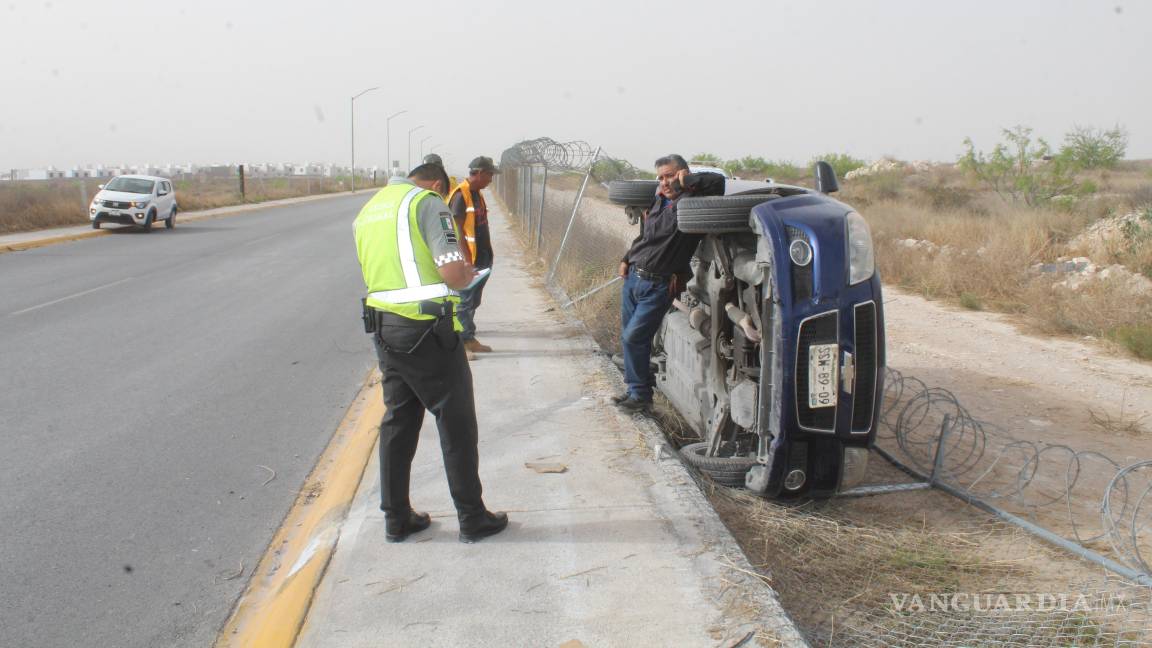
[1041, 387]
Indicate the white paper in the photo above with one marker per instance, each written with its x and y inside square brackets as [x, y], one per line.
[480, 275]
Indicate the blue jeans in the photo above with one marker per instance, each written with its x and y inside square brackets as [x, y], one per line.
[466, 310]
[643, 305]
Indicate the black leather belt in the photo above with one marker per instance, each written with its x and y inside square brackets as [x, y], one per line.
[650, 276]
[392, 319]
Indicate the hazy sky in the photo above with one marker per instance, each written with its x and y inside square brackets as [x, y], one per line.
[209, 81]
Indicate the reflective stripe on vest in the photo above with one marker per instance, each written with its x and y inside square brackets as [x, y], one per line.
[404, 242]
[409, 295]
[465, 189]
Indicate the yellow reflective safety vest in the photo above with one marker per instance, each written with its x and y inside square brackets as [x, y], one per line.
[398, 267]
[465, 190]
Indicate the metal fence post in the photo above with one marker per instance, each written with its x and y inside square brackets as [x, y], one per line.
[525, 188]
[540, 220]
[572, 220]
[528, 213]
[938, 464]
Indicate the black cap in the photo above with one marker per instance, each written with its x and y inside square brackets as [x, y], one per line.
[432, 158]
[482, 164]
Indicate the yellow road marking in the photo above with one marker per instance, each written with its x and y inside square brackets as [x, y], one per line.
[274, 605]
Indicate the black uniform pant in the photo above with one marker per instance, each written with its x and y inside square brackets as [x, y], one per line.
[435, 377]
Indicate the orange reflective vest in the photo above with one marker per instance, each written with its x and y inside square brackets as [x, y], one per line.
[469, 228]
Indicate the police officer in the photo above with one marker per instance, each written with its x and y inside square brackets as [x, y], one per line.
[410, 257]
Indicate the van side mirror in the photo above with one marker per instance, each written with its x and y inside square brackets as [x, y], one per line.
[826, 178]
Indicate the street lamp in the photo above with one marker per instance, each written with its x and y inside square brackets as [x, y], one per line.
[388, 136]
[422, 147]
[353, 104]
[410, 131]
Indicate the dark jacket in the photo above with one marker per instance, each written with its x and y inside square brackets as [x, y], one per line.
[661, 247]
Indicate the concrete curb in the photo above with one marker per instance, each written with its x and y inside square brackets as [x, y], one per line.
[275, 604]
[30, 240]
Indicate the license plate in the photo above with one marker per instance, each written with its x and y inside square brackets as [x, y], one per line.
[114, 213]
[822, 375]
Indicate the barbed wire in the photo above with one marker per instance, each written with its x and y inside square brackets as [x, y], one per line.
[576, 155]
[1097, 497]
[557, 156]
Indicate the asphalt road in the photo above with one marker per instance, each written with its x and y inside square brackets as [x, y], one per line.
[150, 384]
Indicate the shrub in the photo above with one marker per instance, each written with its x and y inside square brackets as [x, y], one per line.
[706, 159]
[1137, 339]
[783, 169]
[1022, 169]
[609, 169]
[970, 301]
[1088, 148]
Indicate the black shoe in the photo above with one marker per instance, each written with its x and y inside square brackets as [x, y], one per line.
[632, 405]
[620, 398]
[484, 525]
[398, 529]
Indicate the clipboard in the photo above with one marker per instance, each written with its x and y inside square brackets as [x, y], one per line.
[481, 275]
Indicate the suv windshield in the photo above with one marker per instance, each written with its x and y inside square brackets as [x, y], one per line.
[130, 185]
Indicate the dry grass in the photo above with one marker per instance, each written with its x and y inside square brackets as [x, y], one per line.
[983, 250]
[827, 569]
[33, 205]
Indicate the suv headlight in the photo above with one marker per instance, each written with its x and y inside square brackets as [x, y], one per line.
[861, 255]
[144, 203]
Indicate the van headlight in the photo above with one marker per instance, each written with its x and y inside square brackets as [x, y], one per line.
[861, 254]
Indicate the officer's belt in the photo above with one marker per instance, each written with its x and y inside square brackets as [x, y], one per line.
[392, 319]
[409, 295]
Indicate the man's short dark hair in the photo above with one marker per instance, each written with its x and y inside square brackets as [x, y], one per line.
[673, 158]
[430, 173]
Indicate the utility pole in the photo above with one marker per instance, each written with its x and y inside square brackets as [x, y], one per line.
[422, 148]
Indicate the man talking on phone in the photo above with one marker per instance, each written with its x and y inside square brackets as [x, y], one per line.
[654, 270]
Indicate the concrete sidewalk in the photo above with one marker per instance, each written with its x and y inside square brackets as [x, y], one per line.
[620, 549]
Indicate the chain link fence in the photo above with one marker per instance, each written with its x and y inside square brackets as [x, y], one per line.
[556, 193]
[1092, 505]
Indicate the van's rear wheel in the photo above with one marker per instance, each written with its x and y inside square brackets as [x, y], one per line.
[633, 193]
[717, 214]
[727, 471]
[170, 222]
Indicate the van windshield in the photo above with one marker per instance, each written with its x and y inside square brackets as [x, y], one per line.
[131, 185]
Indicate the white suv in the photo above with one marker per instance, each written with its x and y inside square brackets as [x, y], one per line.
[134, 200]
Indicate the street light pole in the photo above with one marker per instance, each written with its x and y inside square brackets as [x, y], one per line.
[422, 147]
[353, 121]
[388, 137]
[410, 131]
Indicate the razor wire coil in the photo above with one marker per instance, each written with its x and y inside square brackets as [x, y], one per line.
[988, 463]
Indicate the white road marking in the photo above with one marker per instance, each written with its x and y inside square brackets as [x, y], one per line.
[79, 294]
